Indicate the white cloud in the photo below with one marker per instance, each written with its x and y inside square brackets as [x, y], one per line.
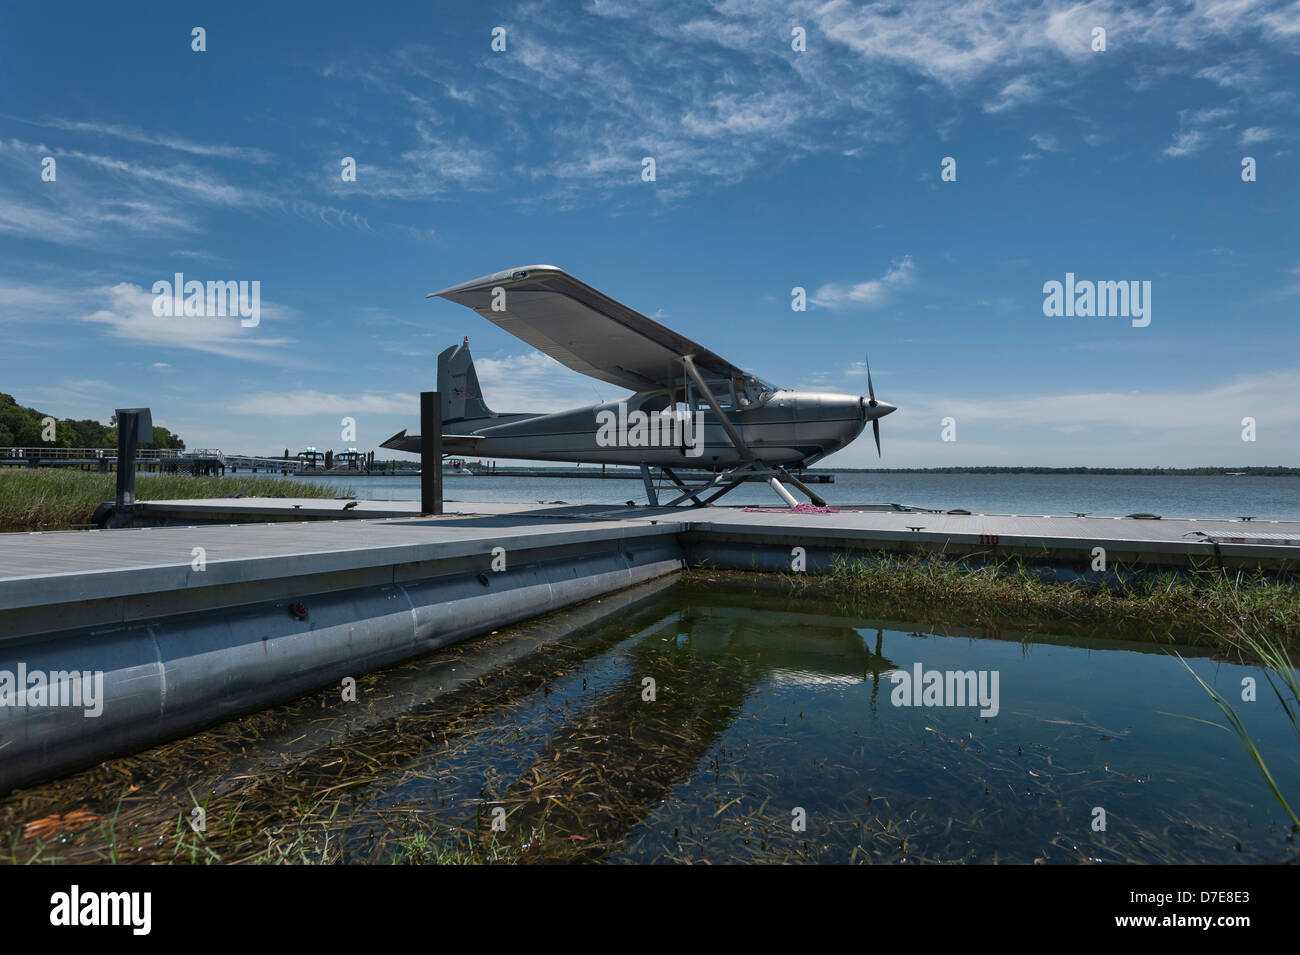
[1199, 117]
[538, 383]
[19, 302]
[1256, 134]
[870, 293]
[715, 96]
[1185, 143]
[178, 143]
[1015, 93]
[309, 402]
[435, 166]
[126, 312]
[1240, 73]
[1268, 396]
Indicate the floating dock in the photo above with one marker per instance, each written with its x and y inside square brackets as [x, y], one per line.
[197, 622]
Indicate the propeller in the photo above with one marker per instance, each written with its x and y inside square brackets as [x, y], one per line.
[871, 403]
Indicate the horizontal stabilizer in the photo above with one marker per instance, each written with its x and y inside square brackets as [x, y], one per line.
[451, 443]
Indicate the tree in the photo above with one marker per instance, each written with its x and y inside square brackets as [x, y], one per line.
[162, 438]
[23, 427]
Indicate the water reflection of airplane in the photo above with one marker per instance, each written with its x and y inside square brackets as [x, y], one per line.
[706, 661]
[750, 429]
[802, 648]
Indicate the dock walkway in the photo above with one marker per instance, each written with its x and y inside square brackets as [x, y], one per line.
[191, 623]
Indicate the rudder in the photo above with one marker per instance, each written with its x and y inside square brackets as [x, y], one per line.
[462, 398]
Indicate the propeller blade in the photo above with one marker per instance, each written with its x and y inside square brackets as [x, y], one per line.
[871, 390]
[875, 428]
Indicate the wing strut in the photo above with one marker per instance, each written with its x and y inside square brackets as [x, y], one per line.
[732, 434]
[751, 462]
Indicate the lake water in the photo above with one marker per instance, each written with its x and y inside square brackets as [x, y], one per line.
[774, 734]
[1266, 498]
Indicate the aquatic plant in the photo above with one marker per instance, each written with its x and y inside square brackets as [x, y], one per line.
[49, 499]
[1196, 606]
[1273, 657]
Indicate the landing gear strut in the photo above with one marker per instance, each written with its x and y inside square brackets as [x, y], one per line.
[728, 480]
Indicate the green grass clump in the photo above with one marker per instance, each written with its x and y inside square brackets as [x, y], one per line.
[48, 499]
[1198, 607]
[1283, 679]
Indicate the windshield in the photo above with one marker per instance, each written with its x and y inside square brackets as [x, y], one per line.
[753, 391]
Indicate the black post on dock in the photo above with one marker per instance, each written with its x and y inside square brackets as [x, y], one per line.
[430, 452]
[132, 423]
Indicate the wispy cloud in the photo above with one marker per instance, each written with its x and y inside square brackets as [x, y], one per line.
[537, 382]
[435, 166]
[177, 143]
[1015, 93]
[126, 311]
[1267, 397]
[1185, 143]
[1046, 142]
[309, 402]
[717, 96]
[96, 197]
[870, 293]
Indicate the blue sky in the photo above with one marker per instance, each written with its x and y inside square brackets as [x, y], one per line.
[775, 169]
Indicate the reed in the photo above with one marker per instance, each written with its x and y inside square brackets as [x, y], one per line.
[1200, 607]
[1270, 654]
[50, 499]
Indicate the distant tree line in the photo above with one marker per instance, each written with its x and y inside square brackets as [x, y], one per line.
[23, 427]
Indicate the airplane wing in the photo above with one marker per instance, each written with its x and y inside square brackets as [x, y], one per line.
[585, 329]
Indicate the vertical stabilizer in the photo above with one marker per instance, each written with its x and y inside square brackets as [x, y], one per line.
[462, 398]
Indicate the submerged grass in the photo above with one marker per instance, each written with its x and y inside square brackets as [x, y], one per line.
[562, 741]
[1199, 607]
[1251, 617]
[50, 499]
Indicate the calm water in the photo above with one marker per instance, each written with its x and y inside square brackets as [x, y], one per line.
[764, 707]
[1267, 498]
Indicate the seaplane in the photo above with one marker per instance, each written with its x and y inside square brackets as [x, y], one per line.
[691, 410]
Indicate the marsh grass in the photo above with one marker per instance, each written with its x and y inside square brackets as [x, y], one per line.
[423, 848]
[49, 499]
[1199, 607]
[1270, 654]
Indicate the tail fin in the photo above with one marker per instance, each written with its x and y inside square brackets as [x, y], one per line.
[462, 398]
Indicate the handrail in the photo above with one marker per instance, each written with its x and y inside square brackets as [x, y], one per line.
[64, 454]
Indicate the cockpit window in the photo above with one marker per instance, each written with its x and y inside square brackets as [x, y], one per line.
[753, 391]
